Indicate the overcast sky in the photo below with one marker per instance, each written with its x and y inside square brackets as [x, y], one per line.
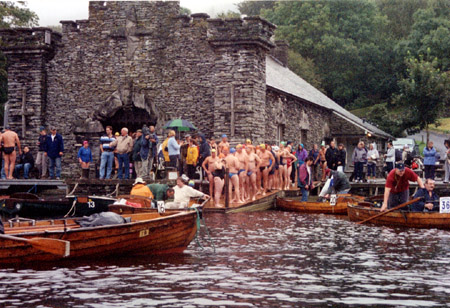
[50, 12]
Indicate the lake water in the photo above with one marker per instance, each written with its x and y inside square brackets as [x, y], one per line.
[263, 259]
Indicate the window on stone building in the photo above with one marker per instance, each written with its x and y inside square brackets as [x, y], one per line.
[304, 136]
[280, 133]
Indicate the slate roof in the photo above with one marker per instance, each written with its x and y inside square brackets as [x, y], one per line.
[283, 79]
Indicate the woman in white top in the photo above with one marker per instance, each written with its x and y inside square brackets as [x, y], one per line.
[372, 158]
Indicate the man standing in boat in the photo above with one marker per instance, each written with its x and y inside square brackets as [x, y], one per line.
[396, 190]
[429, 201]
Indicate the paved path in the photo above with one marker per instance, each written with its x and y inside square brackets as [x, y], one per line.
[437, 138]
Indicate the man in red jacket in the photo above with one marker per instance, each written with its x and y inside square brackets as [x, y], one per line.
[396, 190]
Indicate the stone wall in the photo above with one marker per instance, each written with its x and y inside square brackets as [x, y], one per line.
[295, 116]
[143, 55]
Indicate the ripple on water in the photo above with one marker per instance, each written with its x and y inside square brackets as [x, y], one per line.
[269, 259]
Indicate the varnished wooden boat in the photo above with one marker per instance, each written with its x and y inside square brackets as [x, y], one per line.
[340, 208]
[146, 234]
[363, 210]
[145, 204]
[32, 206]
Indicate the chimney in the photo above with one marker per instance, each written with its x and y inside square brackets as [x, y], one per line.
[280, 52]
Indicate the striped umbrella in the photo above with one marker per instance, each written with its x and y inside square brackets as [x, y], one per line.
[180, 125]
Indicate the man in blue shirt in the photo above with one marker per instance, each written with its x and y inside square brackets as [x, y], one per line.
[55, 149]
[429, 201]
[107, 153]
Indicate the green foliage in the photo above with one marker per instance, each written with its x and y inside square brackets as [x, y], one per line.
[304, 68]
[424, 93]
[386, 120]
[253, 8]
[14, 14]
[347, 42]
[229, 14]
[185, 11]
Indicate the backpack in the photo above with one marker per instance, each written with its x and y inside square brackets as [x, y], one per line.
[398, 155]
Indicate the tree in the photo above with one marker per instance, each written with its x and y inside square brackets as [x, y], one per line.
[254, 8]
[185, 11]
[12, 14]
[423, 93]
[347, 42]
[304, 68]
[229, 14]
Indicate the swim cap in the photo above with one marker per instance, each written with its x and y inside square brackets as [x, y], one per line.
[213, 150]
[248, 141]
[275, 148]
[239, 146]
[191, 183]
[232, 150]
[301, 144]
[262, 146]
[224, 136]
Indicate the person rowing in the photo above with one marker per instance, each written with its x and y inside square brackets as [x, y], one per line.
[396, 190]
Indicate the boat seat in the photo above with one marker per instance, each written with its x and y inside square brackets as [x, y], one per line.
[19, 220]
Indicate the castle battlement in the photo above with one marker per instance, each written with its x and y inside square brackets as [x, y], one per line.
[236, 31]
[21, 40]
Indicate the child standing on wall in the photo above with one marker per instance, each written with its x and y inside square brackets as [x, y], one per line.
[85, 158]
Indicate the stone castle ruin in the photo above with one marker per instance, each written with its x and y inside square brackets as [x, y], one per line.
[136, 62]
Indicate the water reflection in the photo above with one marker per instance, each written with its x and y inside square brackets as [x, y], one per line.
[269, 259]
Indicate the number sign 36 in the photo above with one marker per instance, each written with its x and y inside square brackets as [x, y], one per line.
[444, 205]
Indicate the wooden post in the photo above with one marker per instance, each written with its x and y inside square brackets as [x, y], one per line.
[24, 99]
[232, 110]
[226, 188]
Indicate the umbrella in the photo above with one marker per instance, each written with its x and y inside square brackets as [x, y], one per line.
[180, 125]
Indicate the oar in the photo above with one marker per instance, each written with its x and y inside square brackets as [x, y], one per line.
[390, 210]
[50, 245]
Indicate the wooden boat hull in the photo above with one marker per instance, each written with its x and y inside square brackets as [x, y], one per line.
[315, 207]
[146, 234]
[399, 219]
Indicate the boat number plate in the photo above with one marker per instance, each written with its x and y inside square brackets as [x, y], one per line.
[444, 205]
[143, 233]
[333, 200]
[91, 204]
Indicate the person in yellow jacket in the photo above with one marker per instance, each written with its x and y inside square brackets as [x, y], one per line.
[191, 158]
[165, 151]
[140, 189]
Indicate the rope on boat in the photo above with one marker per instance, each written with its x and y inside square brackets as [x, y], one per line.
[198, 232]
[115, 191]
[34, 187]
[72, 208]
[73, 190]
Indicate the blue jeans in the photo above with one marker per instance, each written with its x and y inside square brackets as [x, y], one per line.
[371, 169]
[304, 193]
[359, 166]
[124, 162]
[26, 169]
[106, 160]
[54, 162]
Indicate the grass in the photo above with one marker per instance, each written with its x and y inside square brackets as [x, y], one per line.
[443, 128]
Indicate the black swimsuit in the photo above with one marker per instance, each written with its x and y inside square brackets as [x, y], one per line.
[220, 173]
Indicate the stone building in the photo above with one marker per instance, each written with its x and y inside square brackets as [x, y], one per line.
[134, 63]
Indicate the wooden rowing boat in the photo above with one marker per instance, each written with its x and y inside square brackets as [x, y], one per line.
[139, 204]
[32, 206]
[145, 234]
[359, 211]
[340, 207]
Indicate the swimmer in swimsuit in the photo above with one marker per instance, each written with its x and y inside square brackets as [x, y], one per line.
[242, 173]
[10, 139]
[233, 166]
[265, 166]
[253, 165]
[210, 162]
[289, 158]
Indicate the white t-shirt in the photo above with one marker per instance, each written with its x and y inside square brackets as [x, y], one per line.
[185, 193]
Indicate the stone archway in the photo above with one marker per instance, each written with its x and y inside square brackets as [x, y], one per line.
[131, 117]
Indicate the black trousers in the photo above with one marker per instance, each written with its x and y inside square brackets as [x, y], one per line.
[429, 171]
